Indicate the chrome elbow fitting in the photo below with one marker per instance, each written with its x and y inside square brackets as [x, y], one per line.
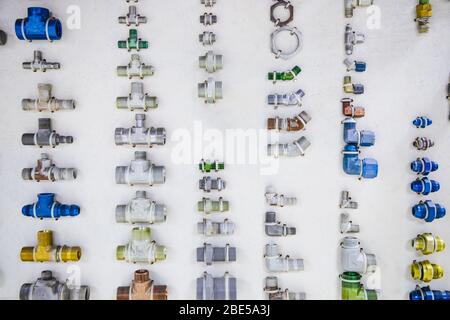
[40, 64]
[274, 228]
[46, 170]
[274, 292]
[137, 99]
[347, 225]
[354, 259]
[136, 68]
[210, 228]
[140, 172]
[141, 210]
[347, 201]
[278, 200]
[46, 102]
[139, 135]
[141, 249]
[427, 243]
[275, 262]
[295, 149]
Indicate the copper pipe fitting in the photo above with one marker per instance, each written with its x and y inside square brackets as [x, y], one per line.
[142, 288]
[351, 111]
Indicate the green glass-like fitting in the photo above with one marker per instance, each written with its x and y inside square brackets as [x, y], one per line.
[208, 166]
[352, 289]
[133, 42]
[285, 76]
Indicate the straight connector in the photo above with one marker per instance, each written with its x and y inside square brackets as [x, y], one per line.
[133, 42]
[208, 3]
[297, 123]
[210, 228]
[210, 90]
[290, 75]
[207, 166]
[428, 211]
[207, 38]
[426, 293]
[349, 110]
[425, 186]
[424, 166]
[423, 143]
[350, 87]
[40, 64]
[137, 99]
[422, 122]
[426, 271]
[210, 254]
[208, 19]
[296, 148]
[207, 206]
[211, 62]
[427, 243]
[221, 288]
[208, 183]
[141, 249]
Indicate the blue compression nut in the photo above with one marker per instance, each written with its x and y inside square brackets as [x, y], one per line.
[428, 211]
[364, 168]
[363, 138]
[39, 25]
[422, 122]
[360, 66]
[47, 207]
[424, 166]
[425, 186]
[425, 293]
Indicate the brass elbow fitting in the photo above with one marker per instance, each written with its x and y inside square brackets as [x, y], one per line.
[427, 243]
[45, 251]
[426, 271]
[142, 288]
[349, 110]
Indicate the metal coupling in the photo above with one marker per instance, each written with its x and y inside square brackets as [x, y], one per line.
[210, 228]
[274, 228]
[208, 3]
[46, 170]
[211, 62]
[141, 210]
[274, 292]
[40, 64]
[45, 136]
[207, 38]
[424, 11]
[46, 251]
[422, 122]
[210, 254]
[290, 75]
[296, 148]
[351, 5]
[424, 166]
[347, 202]
[428, 211]
[297, 123]
[207, 206]
[141, 248]
[135, 68]
[288, 99]
[295, 34]
[426, 271]
[427, 243]
[139, 135]
[133, 42]
[137, 99]
[142, 288]
[208, 183]
[140, 172]
[221, 288]
[425, 186]
[275, 262]
[357, 66]
[208, 19]
[354, 259]
[349, 87]
[352, 39]
[349, 110]
[423, 143]
[132, 17]
[48, 207]
[207, 166]
[278, 200]
[210, 90]
[46, 102]
[347, 225]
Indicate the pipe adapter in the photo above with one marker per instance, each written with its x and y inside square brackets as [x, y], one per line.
[352, 39]
[275, 262]
[48, 207]
[208, 183]
[132, 17]
[349, 110]
[357, 66]
[351, 5]
[40, 64]
[427, 243]
[424, 11]
[208, 19]
[350, 87]
[46, 102]
[46, 170]
[274, 228]
[347, 202]
[423, 143]
[274, 292]
[212, 228]
[426, 271]
[278, 200]
[211, 90]
[221, 288]
[208, 3]
[296, 148]
[424, 166]
[38, 25]
[141, 210]
[45, 251]
[137, 99]
[47, 287]
[354, 259]
[425, 293]
[289, 75]
[294, 124]
[135, 68]
[139, 135]
[425, 186]
[142, 288]
[211, 62]
[140, 172]
[207, 206]
[209, 254]
[141, 248]
[287, 99]
[363, 138]
[206, 166]
[347, 225]
[45, 136]
[422, 122]
[428, 211]
[353, 289]
[207, 38]
[366, 168]
[133, 42]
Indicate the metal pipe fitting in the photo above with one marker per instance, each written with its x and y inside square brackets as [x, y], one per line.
[210, 62]
[45, 251]
[133, 42]
[207, 166]
[353, 289]
[427, 243]
[288, 99]
[422, 122]
[366, 168]
[363, 138]
[352, 39]
[275, 262]
[424, 11]
[274, 228]
[210, 90]
[296, 148]
[45, 136]
[425, 186]
[426, 271]
[208, 183]
[142, 288]
[48, 207]
[428, 211]
[347, 225]
[423, 143]
[294, 33]
[208, 19]
[141, 210]
[354, 259]
[46, 102]
[350, 87]
[38, 25]
[351, 5]
[141, 248]
[289, 8]
[207, 206]
[139, 135]
[347, 201]
[209, 254]
[135, 68]
[140, 172]
[46, 170]
[424, 166]
[278, 200]
[297, 123]
[40, 64]
[137, 99]
[207, 38]
[221, 288]
[274, 292]
[132, 17]
[349, 110]
[425, 293]
[357, 66]
[47, 287]
[214, 228]
[208, 3]
[290, 75]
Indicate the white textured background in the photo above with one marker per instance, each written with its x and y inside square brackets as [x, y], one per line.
[407, 76]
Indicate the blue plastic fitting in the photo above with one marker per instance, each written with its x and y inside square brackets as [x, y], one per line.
[47, 207]
[425, 293]
[364, 168]
[422, 122]
[424, 166]
[428, 211]
[363, 138]
[360, 66]
[358, 88]
[425, 186]
[39, 25]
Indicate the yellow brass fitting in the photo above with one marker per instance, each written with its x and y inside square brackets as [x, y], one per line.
[424, 10]
[426, 271]
[428, 244]
[45, 251]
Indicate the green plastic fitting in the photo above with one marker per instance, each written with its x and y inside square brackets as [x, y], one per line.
[353, 289]
[208, 166]
[133, 42]
[286, 75]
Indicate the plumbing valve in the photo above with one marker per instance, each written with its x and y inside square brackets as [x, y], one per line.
[425, 186]
[141, 248]
[139, 135]
[211, 62]
[137, 99]
[278, 200]
[40, 64]
[354, 259]
[296, 123]
[351, 5]
[276, 293]
[207, 38]
[206, 205]
[38, 25]
[132, 17]
[48, 207]
[423, 143]
[207, 166]
[428, 211]
[45, 136]
[288, 100]
[275, 262]
[422, 122]
[208, 19]
[347, 225]
[363, 138]
[45, 251]
[135, 68]
[222, 288]
[424, 166]
[213, 228]
[133, 42]
[208, 3]
[140, 171]
[350, 87]
[141, 210]
[3, 38]
[363, 168]
[357, 66]
[349, 110]
[347, 201]
[294, 149]
[424, 12]
[142, 288]
[208, 183]
[426, 271]
[352, 39]
[425, 293]
[274, 228]
[48, 288]
[427, 243]
[46, 170]
[209, 254]
[210, 90]
[290, 75]
[353, 289]
[46, 102]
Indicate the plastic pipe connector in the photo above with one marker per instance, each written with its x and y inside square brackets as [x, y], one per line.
[135, 68]
[132, 17]
[139, 135]
[45, 251]
[141, 210]
[423, 143]
[210, 254]
[426, 271]
[207, 38]
[296, 148]
[428, 211]
[294, 124]
[211, 62]
[208, 183]
[40, 64]
[349, 87]
[140, 172]
[424, 11]
[46, 102]
[275, 262]
[425, 186]
[46, 170]
[349, 110]
[287, 99]
[290, 75]
[211, 90]
[352, 288]
[357, 66]
[278, 200]
[207, 166]
[141, 248]
[354, 259]
[363, 138]
[422, 122]
[363, 168]
[425, 293]
[48, 207]
[221, 288]
[427, 243]
[133, 42]
[424, 166]
[351, 5]
[137, 99]
[38, 25]
[142, 288]
[352, 38]
[209, 228]
[274, 228]
[274, 292]
[207, 206]
[45, 136]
